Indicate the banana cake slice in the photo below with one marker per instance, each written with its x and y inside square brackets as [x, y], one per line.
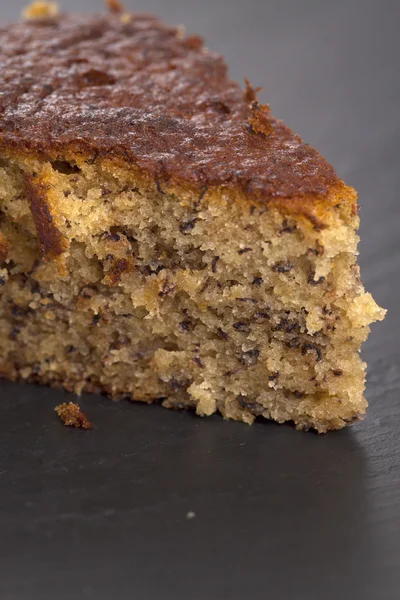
[163, 237]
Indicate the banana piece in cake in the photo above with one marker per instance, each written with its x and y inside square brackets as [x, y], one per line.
[163, 237]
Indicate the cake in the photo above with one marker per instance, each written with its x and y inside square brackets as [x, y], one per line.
[164, 238]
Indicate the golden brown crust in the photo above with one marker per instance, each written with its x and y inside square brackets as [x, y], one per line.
[137, 92]
[52, 243]
[318, 211]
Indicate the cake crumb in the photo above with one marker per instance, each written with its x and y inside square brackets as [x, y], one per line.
[40, 10]
[72, 416]
[191, 515]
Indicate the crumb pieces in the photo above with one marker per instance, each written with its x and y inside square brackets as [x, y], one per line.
[72, 416]
[114, 6]
[258, 119]
[190, 515]
[250, 93]
[40, 10]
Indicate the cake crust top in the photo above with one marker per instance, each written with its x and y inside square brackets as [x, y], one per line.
[133, 89]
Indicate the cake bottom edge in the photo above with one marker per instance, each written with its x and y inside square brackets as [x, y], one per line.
[275, 414]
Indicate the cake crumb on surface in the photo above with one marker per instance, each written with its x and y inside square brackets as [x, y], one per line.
[72, 416]
[40, 10]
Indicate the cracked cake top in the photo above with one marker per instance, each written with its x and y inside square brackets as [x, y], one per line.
[128, 87]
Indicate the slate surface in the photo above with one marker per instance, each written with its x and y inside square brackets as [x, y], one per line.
[281, 514]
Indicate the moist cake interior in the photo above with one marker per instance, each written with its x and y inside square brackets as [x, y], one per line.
[113, 283]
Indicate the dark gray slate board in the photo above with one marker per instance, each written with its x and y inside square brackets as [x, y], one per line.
[279, 514]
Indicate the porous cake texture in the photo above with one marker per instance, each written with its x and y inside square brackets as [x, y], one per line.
[163, 237]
